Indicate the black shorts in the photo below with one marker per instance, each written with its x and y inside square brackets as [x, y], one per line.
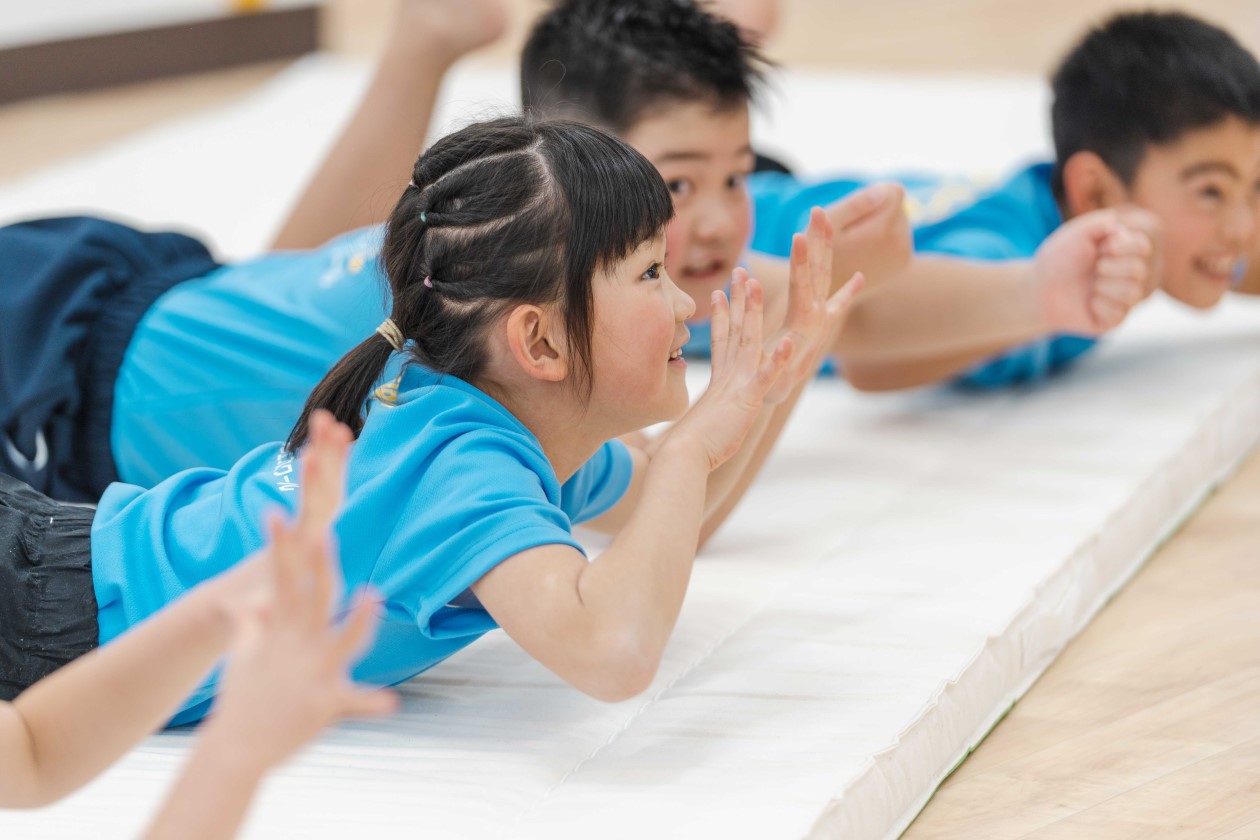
[71, 293]
[47, 603]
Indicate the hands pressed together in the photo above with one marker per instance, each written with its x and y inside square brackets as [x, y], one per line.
[750, 371]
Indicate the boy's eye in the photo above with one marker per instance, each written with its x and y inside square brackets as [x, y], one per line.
[736, 181]
[679, 187]
[653, 272]
[1211, 193]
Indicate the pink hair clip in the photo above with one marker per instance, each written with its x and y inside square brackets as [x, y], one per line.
[428, 281]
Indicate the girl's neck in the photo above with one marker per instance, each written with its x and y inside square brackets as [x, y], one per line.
[559, 420]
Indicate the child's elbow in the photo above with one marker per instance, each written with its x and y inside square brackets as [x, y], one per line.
[626, 667]
[29, 797]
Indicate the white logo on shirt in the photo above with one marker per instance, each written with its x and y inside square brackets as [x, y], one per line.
[284, 470]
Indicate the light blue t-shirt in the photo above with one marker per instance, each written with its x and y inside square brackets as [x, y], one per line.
[225, 362]
[443, 485]
[948, 217]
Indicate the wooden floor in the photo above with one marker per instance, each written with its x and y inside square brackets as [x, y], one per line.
[1148, 726]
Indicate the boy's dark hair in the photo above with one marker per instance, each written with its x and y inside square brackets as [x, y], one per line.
[1148, 78]
[608, 62]
[510, 211]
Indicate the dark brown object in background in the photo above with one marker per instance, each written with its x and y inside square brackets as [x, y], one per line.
[121, 57]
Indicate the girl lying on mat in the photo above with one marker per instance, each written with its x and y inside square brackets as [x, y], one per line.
[532, 323]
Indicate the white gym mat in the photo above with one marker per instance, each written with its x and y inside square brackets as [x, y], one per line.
[905, 568]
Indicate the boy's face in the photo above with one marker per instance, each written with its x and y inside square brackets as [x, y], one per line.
[704, 157]
[1205, 189]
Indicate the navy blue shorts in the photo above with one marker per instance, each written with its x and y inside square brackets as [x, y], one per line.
[71, 293]
[47, 601]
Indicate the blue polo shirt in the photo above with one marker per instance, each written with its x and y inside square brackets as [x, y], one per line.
[225, 362]
[949, 217]
[443, 485]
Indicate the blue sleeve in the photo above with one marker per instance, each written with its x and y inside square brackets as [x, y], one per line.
[599, 484]
[1027, 363]
[781, 206]
[968, 243]
[480, 500]
[1009, 224]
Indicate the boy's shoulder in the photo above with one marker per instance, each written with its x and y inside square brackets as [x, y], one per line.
[1009, 221]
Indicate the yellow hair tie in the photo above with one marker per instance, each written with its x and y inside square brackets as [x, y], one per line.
[390, 332]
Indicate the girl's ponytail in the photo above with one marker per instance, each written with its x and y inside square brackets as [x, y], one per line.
[345, 389]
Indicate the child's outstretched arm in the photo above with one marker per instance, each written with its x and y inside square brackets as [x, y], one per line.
[945, 314]
[64, 730]
[359, 181]
[602, 626]
[286, 679]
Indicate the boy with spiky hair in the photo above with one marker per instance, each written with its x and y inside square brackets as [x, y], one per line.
[677, 82]
[1155, 110]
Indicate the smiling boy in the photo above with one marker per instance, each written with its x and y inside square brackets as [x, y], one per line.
[677, 84]
[1159, 111]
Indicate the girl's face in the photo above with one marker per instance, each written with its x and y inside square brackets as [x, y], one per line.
[636, 344]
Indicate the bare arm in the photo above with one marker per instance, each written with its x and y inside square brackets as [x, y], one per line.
[360, 180]
[939, 317]
[64, 730]
[70, 726]
[945, 314]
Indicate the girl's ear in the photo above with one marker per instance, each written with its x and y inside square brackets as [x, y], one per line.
[1090, 184]
[536, 338]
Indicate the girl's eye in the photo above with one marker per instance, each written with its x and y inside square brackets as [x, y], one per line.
[653, 272]
[679, 187]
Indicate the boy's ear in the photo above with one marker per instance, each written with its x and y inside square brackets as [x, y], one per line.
[1089, 184]
[536, 338]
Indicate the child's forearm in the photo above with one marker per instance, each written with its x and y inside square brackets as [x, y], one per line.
[752, 458]
[212, 795]
[943, 307]
[894, 376]
[80, 719]
[368, 166]
[366, 169]
[734, 476]
[635, 589]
